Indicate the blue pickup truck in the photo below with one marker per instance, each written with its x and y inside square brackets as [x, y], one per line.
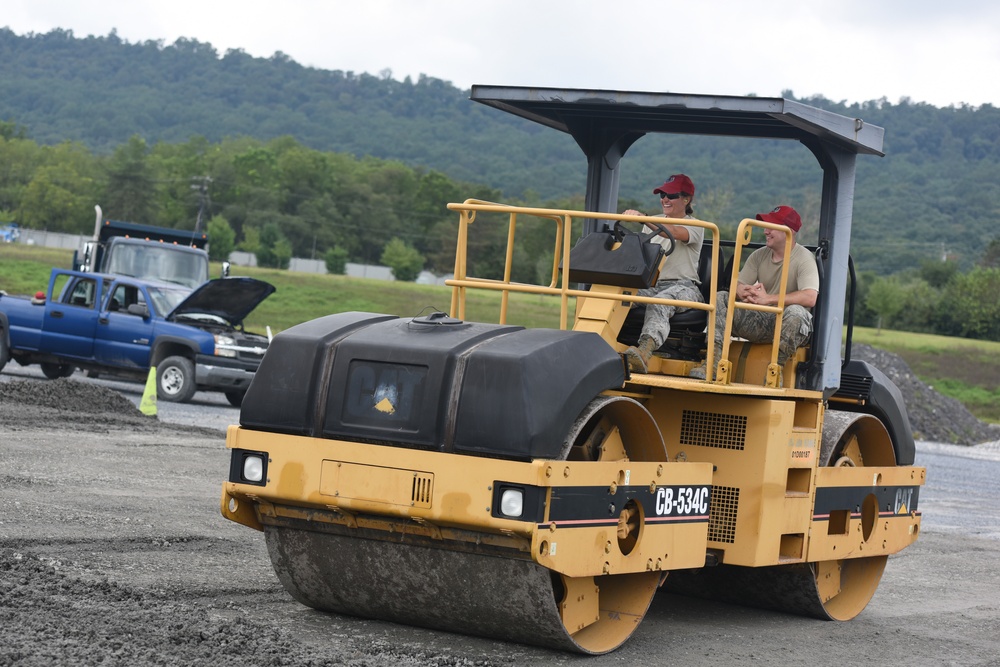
[123, 326]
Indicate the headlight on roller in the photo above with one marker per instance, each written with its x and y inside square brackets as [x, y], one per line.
[517, 502]
[253, 468]
[512, 503]
[248, 467]
[225, 345]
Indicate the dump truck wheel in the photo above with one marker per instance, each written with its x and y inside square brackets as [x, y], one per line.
[56, 371]
[512, 599]
[175, 380]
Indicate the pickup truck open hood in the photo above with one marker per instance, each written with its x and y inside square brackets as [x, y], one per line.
[229, 298]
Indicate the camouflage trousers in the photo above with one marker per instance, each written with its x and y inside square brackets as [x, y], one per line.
[657, 322]
[758, 327]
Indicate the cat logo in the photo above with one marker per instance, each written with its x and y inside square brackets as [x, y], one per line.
[904, 499]
[385, 399]
[380, 394]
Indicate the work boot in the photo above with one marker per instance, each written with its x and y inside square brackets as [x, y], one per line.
[698, 371]
[638, 356]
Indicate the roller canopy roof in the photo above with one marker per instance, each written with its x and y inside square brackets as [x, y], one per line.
[583, 112]
[605, 124]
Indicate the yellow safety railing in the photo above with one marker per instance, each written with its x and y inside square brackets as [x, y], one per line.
[560, 282]
[743, 235]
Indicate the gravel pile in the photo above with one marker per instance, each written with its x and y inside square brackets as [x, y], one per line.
[68, 395]
[933, 417]
[71, 405]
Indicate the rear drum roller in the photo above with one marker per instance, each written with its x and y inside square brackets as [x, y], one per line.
[392, 577]
[851, 439]
[829, 590]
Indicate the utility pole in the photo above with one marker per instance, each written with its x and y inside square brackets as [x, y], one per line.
[202, 187]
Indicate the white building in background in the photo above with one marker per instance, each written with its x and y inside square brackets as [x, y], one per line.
[238, 258]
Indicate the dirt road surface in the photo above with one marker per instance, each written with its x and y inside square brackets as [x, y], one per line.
[113, 552]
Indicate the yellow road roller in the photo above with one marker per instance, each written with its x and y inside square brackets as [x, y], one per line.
[523, 484]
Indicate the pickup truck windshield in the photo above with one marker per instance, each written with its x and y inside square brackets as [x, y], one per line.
[152, 262]
[165, 299]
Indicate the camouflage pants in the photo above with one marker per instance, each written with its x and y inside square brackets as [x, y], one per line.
[657, 322]
[758, 327]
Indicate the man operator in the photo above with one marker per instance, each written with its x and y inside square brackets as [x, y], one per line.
[759, 282]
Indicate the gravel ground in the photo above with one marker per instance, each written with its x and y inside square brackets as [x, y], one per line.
[113, 552]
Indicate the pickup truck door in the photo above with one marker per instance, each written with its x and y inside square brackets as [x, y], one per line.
[71, 318]
[123, 338]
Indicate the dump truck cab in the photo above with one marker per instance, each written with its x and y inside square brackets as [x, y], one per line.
[144, 251]
[521, 483]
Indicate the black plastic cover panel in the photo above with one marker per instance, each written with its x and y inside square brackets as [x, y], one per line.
[521, 394]
[452, 386]
[287, 390]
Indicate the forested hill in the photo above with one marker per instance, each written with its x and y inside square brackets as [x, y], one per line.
[936, 192]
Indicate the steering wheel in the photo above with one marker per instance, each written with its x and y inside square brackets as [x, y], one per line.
[664, 229]
[620, 231]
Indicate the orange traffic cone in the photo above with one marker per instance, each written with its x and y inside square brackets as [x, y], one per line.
[148, 404]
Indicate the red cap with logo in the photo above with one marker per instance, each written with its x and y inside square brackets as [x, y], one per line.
[783, 215]
[675, 184]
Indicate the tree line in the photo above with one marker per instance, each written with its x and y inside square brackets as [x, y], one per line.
[279, 199]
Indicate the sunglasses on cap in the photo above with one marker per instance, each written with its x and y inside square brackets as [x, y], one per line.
[675, 195]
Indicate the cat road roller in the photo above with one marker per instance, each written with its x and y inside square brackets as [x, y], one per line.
[521, 484]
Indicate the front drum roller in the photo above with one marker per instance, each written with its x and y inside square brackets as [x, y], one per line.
[467, 590]
[829, 590]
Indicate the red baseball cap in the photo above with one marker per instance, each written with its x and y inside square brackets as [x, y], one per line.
[674, 184]
[783, 215]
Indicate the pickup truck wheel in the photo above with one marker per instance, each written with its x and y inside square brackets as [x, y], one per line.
[175, 380]
[235, 398]
[56, 371]
[4, 351]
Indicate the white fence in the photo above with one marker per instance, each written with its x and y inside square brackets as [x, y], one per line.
[237, 257]
[52, 239]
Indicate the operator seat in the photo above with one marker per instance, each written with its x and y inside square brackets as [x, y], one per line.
[687, 336]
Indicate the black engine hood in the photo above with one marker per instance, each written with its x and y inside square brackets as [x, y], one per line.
[229, 298]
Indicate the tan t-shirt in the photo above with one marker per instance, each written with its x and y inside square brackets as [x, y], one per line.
[802, 271]
[682, 263]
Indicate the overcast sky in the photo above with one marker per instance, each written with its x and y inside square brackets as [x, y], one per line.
[942, 53]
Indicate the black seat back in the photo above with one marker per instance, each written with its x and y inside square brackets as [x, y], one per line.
[693, 319]
[687, 328]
